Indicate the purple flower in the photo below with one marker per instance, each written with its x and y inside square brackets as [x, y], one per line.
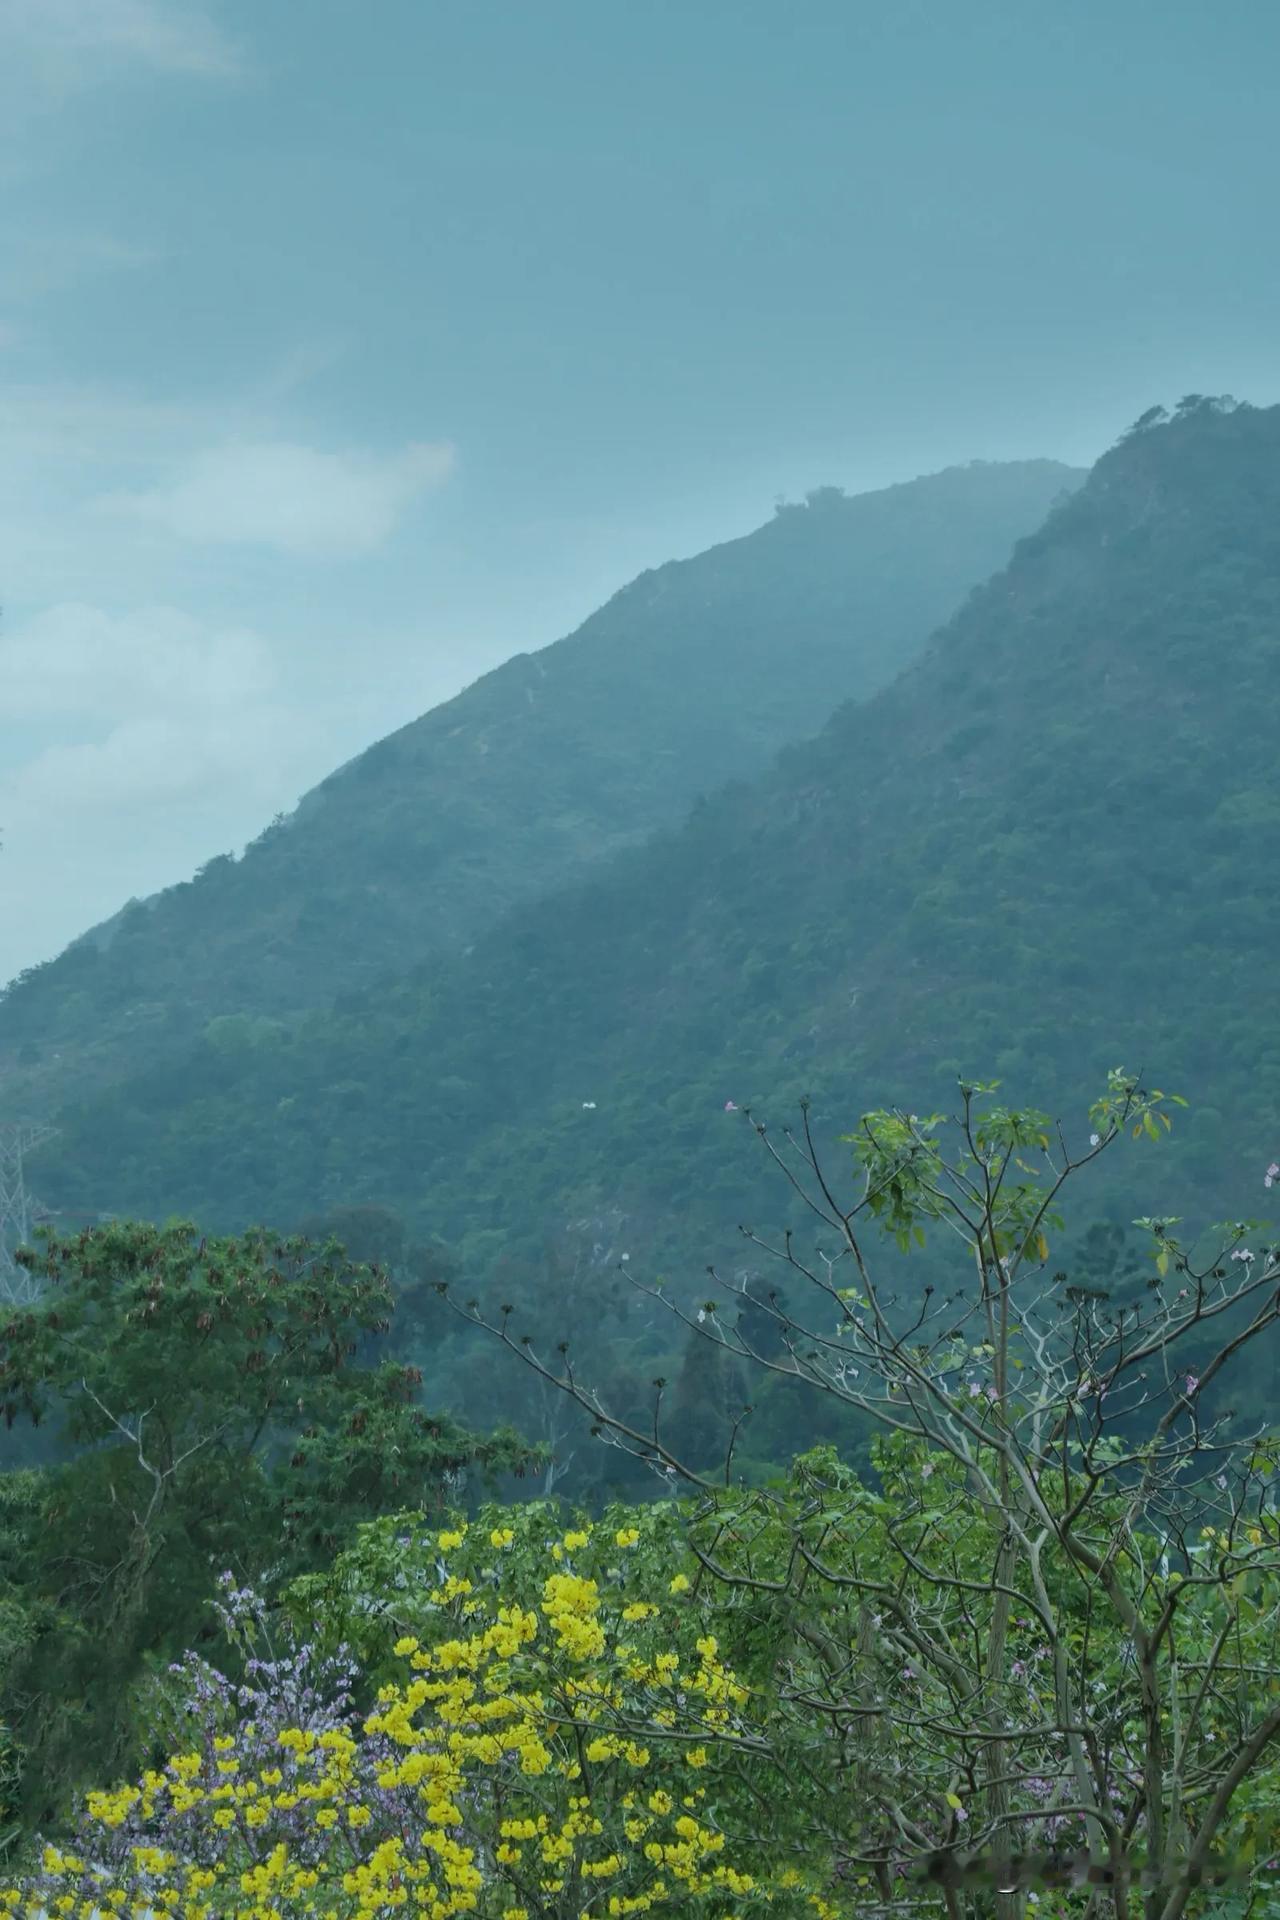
[1193, 1383]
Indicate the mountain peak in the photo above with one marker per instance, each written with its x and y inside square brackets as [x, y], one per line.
[694, 674]
[1044, 847]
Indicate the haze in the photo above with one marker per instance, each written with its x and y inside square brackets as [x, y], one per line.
[345, 352]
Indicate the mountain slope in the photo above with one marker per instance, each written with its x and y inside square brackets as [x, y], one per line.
[1049, 846]
[694, 673]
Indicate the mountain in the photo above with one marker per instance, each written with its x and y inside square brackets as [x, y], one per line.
[694, 674]
[1050, 846]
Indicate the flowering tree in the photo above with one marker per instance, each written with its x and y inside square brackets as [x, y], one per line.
[591, 1753]
[1073, 1572]
[210, 1409]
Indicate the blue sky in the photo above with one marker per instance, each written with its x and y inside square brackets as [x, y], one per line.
[347, 348]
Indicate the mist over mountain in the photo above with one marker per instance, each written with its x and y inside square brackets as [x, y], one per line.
[663, 1296]
[693, 674]
[1038, 852]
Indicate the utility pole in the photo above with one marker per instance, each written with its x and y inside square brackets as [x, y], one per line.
[20, 1211]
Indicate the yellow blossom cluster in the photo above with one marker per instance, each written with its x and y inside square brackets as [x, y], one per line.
[568, 1756]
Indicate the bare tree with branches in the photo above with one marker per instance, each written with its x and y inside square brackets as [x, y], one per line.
[1061, 1602]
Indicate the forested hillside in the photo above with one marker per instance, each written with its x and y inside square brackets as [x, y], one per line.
[1046, 847]
[692, 675]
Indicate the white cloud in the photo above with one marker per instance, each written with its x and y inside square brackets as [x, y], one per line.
[137, 773]
[74, 660]
[293, 498]
[163, 695]
[144, 741]
[135, 744]
[70, 43]
[91, 823]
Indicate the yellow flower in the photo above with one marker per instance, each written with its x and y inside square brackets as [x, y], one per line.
[680, 1584]
[627, 1536]
[447, 1541]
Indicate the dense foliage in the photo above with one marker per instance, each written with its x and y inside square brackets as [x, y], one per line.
[731, 1707]
[693, 675]
[1031, 1652]
[209, 1406]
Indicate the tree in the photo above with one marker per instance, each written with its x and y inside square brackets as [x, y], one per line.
[494, 1775]
[574, 1291]
[1078, 1569]
[212, 1415]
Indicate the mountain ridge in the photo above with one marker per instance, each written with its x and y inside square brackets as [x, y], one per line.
[1019, 858]
[547, 764]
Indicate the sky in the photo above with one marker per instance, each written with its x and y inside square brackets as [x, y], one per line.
[347, 349]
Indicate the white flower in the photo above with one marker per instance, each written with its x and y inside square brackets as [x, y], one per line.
[1095, 1139]
[702, 1314]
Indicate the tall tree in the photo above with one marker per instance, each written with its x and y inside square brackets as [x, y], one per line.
[213, 1414]
[1077, 1573]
